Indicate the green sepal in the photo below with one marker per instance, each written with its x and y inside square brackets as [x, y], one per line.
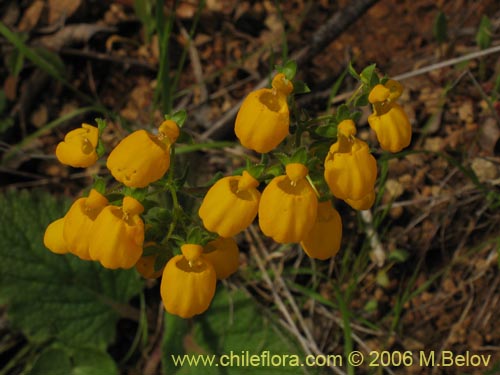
[99, 184]
[289, 69]
[299, 156]
[178, 117]
[199, 236]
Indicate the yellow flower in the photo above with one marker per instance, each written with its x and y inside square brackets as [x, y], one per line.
[230, 205]
[188, 283]
[79, 147]
[142, 158]
[224, 255]
[364, 203]
[350, 168]
[146, 267]
[389, 121]
[78, 222]
[288, 206]
[263, 119]
[323, 240]
[146, 264]
[53, 238]
[117, 235]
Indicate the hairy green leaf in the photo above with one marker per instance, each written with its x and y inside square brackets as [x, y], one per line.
[233, 324]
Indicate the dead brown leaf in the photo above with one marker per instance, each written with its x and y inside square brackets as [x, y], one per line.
[31, 16]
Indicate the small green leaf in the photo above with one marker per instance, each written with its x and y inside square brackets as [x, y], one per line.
[483, 35]
[326, 131]
[399, 255]
[352, 71]
[440, 27]
[367, 73]
[343, 113]
[361, 100]
[300, 87]
[99, 184]
[289, 69]
[382, 278]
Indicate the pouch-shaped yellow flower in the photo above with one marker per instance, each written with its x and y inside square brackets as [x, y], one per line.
[79, 147]
[288, 206]
[78, 222]
[263, 119]
[53, 238]
[230, 205]
[350, 168]
[188, 283]
[117, 235]
[389, 121]
[224, 255]
[323, 240]
[142, 158]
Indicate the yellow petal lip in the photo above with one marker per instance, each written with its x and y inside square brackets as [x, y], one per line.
[132, 206]
[347, 128]
[170, 130]
[296, 171]
[79, 147]
[281, 84]
[191, 252]
[379, 93]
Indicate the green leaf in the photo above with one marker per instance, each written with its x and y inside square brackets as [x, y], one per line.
[232, 324]
[289, 69]
[399, 255]
[73, 361]
[55, 296]
[352, 71]
[326, 131]
[483, 36]
[367, 74]
[15, 62]
[178, 117]
[343, 113]
[300, 87]
[440, 28]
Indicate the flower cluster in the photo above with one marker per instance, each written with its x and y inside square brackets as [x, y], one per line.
[292, 191]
